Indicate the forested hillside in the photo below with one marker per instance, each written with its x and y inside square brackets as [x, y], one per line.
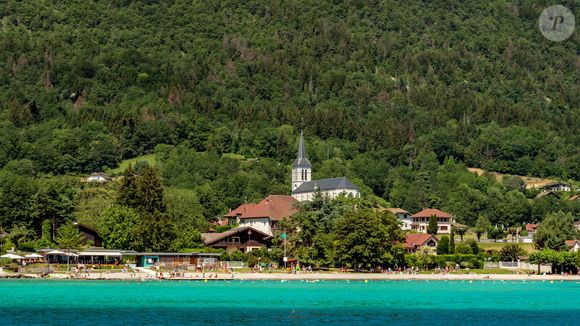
[385, 91]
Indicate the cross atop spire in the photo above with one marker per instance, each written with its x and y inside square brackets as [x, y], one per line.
[301, 159]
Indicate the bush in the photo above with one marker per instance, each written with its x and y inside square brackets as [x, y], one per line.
[468, 261]
[224, 228]
[443, 246]
[511, 252]
[474, 246]
[237, 255]
[462, 248]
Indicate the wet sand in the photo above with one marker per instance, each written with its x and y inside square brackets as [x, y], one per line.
[315, 276]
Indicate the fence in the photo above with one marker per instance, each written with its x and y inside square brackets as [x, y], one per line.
[232, 264]
[509, 264]
[518, 265]
[491, 265]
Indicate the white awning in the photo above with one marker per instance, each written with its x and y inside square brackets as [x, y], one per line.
[100, 253]
[55, 252]
[11, 256]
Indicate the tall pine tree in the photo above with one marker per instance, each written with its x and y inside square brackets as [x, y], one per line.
[154, 230]
[432, 227]
[150, 192]
[128, 194]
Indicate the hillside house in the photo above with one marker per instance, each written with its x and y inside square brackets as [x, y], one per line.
[403, 216]
[98, 177]
[556, 186]
[417, 242]
[421, 221]
[573, 245]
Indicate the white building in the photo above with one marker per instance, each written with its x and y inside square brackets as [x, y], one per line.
[573, 245]
[556, 186]
[98, 177]
[304, 188]
[403, 216]
[421, 221]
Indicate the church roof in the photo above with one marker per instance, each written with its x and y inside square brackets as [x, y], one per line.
[325, 185]
[301, 160]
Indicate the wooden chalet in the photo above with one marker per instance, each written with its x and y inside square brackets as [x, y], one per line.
[243, 238]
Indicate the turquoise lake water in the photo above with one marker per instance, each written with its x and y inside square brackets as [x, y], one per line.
[52, 302]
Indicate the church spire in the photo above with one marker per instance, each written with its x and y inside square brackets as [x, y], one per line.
[301, 159]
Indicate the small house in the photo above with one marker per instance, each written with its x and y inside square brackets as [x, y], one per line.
[573, 245]
[556, 186]
[531, 229]
[403, 216]
[415, 242]
[98, 177]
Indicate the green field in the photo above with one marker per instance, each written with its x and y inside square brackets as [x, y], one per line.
[529, 247]
[150, 158]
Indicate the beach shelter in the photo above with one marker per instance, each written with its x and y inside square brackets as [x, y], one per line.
[55, 252]
[11, 256]
[54, 256]
[34, 256]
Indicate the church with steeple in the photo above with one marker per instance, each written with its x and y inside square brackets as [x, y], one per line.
[304, 188]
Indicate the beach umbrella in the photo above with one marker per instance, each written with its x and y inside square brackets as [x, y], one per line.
[33, 256]
[71, 254]
[11, 256]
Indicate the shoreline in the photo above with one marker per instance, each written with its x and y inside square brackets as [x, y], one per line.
[300, 277]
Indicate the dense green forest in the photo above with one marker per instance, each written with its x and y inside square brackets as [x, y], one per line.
[400, 96]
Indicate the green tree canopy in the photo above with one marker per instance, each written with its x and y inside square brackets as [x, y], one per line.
[554, 230]
[68, 237]
[511, 252]
[118, 227]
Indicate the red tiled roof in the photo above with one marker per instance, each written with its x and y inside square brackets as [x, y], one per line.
[417, 239]
[428, 212]
[240, 210]
[531, 227]
[274, 207]
[571, 243]
[397, 210]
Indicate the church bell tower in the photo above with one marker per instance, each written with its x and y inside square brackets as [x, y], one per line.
[301, 169]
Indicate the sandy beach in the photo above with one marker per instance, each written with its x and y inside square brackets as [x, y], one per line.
[308, 276]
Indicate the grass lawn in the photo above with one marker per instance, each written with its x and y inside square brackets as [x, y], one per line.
[150, 158]
[528, 247]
